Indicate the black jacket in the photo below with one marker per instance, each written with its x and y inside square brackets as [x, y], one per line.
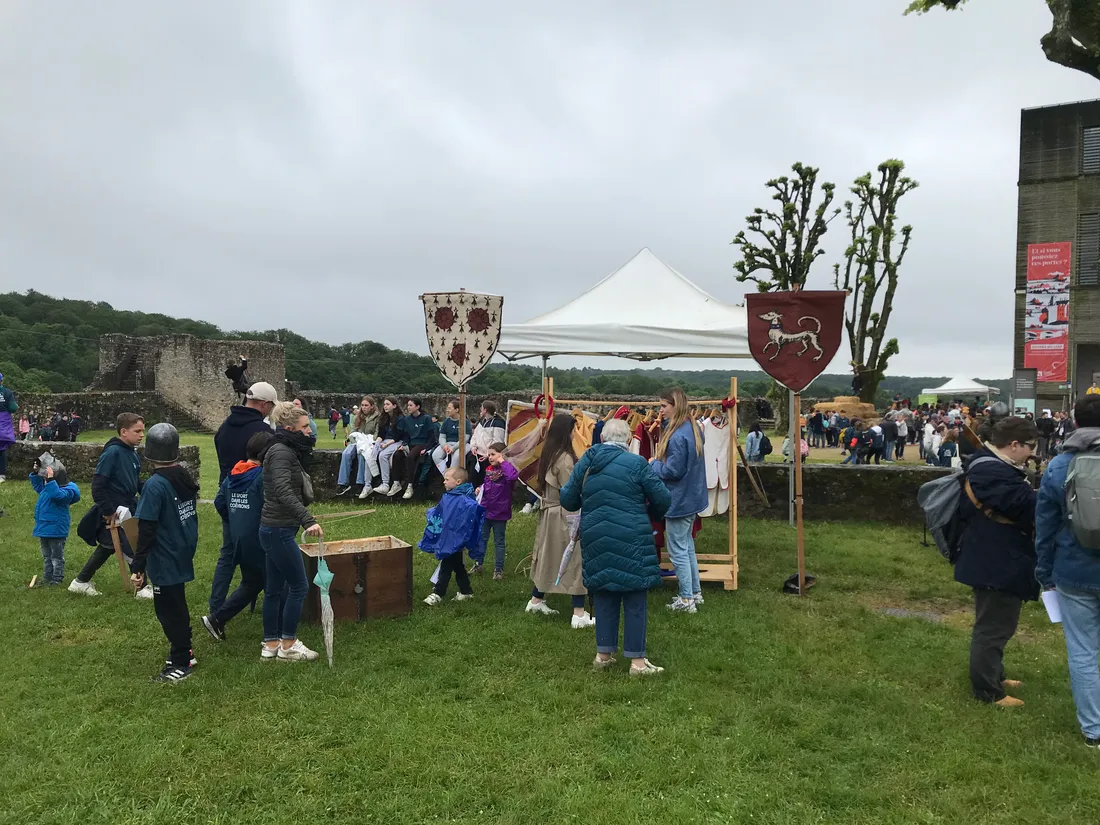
[232, 437]
[287, 487]
[994, 555]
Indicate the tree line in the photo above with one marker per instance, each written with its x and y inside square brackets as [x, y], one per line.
[52, 345]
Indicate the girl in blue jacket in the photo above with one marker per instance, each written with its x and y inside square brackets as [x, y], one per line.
[56, 494]
[679, 464]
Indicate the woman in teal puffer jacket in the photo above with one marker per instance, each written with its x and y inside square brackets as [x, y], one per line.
[618, 494]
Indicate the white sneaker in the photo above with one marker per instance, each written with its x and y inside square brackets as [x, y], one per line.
[367, 490]
[381, 489]
[433, 600]
[539, 607]
[268, 652]
[679, 605]
[408, 493]
[395, 488]
[528, 509]
[649, 669]
[582, 622]
[697, 598]
[145, 592]
[463, 597]
[3, 479]
[87, 588]
[297, 652]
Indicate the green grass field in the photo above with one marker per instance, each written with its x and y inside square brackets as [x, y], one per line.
[772, 709]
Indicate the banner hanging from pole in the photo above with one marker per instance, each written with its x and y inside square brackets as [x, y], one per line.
[463, 330]
[793, 336]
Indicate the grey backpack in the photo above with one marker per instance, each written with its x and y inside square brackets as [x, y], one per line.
[1083, 497]
[939, 499]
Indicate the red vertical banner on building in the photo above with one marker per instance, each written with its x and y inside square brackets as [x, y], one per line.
[1046, 316]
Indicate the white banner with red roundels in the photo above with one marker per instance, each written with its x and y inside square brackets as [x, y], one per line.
[463, 331]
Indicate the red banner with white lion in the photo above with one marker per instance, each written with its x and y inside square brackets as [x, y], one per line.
[794, 335]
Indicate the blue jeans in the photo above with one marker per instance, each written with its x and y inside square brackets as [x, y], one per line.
[888, 448]
[223, 570]
[681, 552]
[1081, 625]
[606, 604]
[344, 476]
[853, 458]
[53, 560]
[497, 528]
[286, 586]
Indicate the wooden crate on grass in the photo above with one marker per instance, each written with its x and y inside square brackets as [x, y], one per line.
[372, 578]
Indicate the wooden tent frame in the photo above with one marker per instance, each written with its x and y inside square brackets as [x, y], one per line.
[713, 567]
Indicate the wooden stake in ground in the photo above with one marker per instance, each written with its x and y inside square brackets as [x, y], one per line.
[114, 527]
[797, 447]
[462, 426]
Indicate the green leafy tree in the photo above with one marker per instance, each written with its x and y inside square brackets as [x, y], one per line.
[870, 272]
[1074, 38]
[781, 244]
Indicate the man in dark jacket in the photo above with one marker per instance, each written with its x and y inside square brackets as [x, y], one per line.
[231, 444]
[236, 373]
[997, 551]
[1073, 570]
[115, 488]
[889, 438]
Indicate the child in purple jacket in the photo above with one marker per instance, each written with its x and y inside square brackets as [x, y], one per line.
[496, 498]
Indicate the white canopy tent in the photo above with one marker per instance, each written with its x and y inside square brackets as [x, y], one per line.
[962, 387]
[644, 310]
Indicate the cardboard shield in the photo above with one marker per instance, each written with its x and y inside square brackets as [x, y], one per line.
[463, 332]
[794, 335]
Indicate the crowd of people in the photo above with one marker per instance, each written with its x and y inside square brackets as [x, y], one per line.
[604, 503]
[1015, 535]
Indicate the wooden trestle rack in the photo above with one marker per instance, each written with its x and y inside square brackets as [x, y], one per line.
[713, 567]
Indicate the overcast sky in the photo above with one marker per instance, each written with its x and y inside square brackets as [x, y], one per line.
[317, 165]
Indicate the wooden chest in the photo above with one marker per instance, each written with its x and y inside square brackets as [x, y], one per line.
[372, 578]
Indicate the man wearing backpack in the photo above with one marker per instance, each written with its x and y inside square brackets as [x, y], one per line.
[997, 552]
[1067, 542]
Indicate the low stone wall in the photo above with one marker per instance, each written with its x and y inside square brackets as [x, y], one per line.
[829, 492]
[79, 459]
[98, 410]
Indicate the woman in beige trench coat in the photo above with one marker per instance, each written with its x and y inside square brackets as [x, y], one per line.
[555, 528]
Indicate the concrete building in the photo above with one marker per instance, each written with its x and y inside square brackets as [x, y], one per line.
[1059, 204]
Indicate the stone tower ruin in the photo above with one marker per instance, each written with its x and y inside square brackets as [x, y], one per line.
[188, 373]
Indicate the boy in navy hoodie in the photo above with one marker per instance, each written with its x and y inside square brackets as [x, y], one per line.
[168, 533]
[115, 487]
[56, 494]
[239, 502]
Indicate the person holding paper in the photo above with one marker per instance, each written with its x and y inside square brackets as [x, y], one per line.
[997, 552]
[1073, 571]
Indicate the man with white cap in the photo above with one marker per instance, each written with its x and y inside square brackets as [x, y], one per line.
[231, 443]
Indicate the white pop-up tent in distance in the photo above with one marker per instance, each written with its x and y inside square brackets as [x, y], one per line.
[961, 388]
[644, 310]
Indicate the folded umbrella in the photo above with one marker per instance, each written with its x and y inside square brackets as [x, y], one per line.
[574, 522]
[323, 580]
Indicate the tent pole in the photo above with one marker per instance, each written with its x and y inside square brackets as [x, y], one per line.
[733, 483]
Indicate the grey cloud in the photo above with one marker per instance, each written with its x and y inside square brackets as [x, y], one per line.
[318, 165]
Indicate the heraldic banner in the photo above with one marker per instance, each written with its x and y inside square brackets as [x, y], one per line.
[794, 335]
[463, 332]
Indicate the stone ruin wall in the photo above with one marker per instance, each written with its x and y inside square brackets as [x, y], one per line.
[185, 371]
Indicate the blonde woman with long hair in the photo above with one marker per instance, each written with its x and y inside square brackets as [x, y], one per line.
[679, 464]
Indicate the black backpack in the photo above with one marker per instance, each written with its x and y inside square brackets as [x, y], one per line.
[765, 445]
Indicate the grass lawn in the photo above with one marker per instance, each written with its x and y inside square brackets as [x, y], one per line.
[772, 709]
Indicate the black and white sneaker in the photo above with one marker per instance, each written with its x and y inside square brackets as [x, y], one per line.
[345, 491]
[193, 663]
[213, 628]
[1092, 742]
[172, 675]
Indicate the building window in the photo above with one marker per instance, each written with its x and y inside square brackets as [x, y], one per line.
[1090, 151]
[1088, 250]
